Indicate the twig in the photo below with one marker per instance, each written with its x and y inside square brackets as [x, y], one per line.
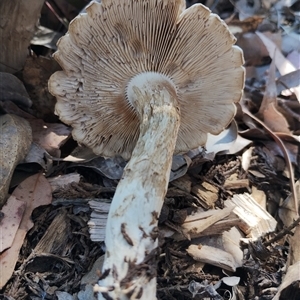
[282, 233]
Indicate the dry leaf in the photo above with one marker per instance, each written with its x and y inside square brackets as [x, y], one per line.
[294, 58]
[12, 88]
[247, 25]
[13, 213]
[270, 115]
[288, 81]
[39, 155]
[253, 48]
[111, 168]
[49, 136]
[291, 148]
[227, 142]
[14, 144]
[291, 279]
[11, 108]
[34, 191]
[283, 65]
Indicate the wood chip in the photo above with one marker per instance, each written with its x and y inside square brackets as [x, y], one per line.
[97, 223]
[212, 256]
[184, 183]
[233, 182]
[207, 193]
[199, 221]
[254, 219]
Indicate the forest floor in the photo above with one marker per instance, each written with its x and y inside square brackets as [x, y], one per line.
[229, 228]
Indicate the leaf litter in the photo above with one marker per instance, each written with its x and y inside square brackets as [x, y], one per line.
[216, 240]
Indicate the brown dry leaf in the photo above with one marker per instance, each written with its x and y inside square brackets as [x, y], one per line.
[11, 108]
[283, 65]
[49, 136]
[34, 191]
[14, 144]
[13, 212]
[12, 89]
[38, 155]
[253, 48]
[270, 115]
[247, 25]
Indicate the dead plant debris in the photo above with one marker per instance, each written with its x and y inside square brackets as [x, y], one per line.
[229, 228]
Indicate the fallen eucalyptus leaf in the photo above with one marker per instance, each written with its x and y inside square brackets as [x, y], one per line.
[288, 81]
[49, 136]
[46, 37]
[35, 191]
[39, 155]
[268, 109]
[283, 65]
[13, 212]
[12, 89]
[227, 142]
[15, 142]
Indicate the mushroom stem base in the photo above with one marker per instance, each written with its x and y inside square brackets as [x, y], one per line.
[129, 270]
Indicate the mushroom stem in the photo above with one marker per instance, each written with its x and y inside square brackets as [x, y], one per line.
[129, 270]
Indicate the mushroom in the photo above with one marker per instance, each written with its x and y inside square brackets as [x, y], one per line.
[144, 79]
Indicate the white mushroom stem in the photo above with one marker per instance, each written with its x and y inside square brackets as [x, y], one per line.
[129, 270]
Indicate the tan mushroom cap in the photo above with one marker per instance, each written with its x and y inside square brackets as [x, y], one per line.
[115, 41]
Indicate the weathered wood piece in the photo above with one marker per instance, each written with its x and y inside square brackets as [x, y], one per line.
[233, 182]
[198, 222]
[97, 222]
[17, 26]
[213, 256]
[219, 250]
[254, 219]
[207, 194]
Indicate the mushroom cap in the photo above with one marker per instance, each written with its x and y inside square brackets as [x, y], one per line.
[116, 40]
